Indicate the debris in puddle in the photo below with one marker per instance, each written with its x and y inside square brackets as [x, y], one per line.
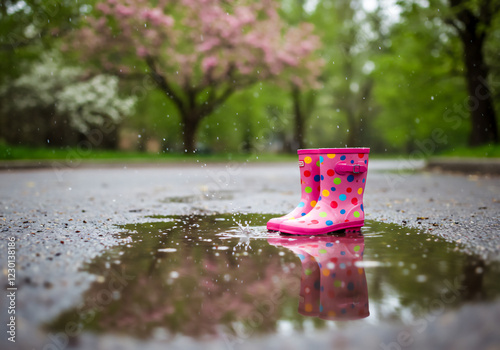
[167, 250]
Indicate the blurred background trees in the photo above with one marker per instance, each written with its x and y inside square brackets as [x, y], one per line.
[244, 76]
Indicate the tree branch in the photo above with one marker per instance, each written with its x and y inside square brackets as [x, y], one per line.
[163, 84]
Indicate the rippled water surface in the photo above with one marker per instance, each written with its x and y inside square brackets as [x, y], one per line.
[225, 275]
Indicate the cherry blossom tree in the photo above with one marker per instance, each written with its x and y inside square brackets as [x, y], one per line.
[199, 52]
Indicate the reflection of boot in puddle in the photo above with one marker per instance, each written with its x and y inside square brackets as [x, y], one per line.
[343, 291]
[309, 280]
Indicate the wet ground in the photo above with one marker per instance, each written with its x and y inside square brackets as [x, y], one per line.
[195, 268]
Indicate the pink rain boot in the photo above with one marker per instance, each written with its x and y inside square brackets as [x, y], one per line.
[309, 184]
[340, 205]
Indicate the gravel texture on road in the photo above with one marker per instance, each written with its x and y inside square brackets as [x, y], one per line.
[64, 217]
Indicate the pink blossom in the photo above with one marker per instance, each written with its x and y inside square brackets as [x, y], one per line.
[245, 15]
[287, 59]
[141, 51]
[124, 11]
[209, 63]
[208, 44]
[104, 8]
[157, 17]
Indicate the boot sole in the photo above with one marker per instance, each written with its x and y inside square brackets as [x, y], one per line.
[353, 225]
[273, 227]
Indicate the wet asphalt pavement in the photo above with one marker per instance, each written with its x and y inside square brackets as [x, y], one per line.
[64, 217]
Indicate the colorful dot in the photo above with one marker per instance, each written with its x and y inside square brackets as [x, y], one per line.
[301, 204]
[342, 265]
[322, 251]
[350, 286]
[308, 189]
[325, 193]
[330, 172]
[337, 283]
[361, 155]
[307, 272]
[362, 207]
[331, 155]
[313, 203]
[363, 180]
[303, 214]
[321, 159]
[334, 204]
[342, 158]
[360, 190]
[314, 222]
[342, 253]
[326, 272]
[316, 178]
[349, 190]
[317, 163]
[308, 160]
[322, 177]
[319, 199]
[342, 211]
[329, 223]
[342, 197]
[354, 201]
[356, 248]
[308, 307]
[337, 181]
[307, 173]
[350, 178]
[333, 189]
[352, 161]
[322, 214]
[356, 214]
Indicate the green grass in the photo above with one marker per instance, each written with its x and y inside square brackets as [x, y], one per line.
[490, 151]
[63, 154]
[27, 154]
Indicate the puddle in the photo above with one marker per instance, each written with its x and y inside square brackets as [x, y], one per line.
[200, 276]
[203, 196]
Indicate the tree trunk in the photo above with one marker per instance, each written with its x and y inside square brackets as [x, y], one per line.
[190, 122]
[484, 126]
[298, 135]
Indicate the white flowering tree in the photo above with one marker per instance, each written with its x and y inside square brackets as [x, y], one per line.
[61, 98]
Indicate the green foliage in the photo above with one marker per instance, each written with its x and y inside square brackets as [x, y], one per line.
[490, 151]
[418, 82]
[395, 84]
[29, 27]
